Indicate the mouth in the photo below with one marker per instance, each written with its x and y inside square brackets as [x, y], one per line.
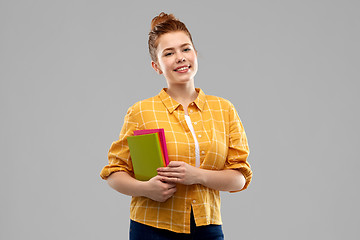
[184, 68]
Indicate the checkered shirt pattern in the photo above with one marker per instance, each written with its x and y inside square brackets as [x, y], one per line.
[223, 145]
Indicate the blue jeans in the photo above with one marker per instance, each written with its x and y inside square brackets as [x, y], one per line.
[139, 231]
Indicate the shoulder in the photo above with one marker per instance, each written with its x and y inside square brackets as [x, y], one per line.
[143, 105]
[215, 101]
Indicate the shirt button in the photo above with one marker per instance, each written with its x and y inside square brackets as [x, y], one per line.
[191, 111]
[192, 104]
[199, 135]
[194, 201]
[202, 152]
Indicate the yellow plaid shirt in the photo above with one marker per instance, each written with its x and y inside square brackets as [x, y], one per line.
[222, 142]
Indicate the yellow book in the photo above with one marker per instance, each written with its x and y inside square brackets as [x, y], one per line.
[146, 155]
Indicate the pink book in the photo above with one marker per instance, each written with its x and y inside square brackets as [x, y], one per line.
[161, 133]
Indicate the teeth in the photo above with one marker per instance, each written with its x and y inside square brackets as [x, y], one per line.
[182, 69]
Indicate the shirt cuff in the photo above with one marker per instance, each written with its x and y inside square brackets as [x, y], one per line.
[108, 170]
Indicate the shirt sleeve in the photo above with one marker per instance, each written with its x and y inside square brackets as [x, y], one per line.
[238, 147]
[119, 154]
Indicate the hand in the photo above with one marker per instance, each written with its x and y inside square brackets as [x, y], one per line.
[159, 190]
[179, 172]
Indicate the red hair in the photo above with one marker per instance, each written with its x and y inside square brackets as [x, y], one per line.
[161, 24]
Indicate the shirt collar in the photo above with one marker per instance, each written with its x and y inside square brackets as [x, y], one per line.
[171, 104]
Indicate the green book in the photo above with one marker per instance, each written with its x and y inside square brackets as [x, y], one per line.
[146, 155]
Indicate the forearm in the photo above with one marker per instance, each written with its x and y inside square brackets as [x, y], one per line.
[125, 184]
[222, 180]
[155, 189]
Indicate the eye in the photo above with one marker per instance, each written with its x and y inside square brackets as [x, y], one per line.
[168, 54]
[186, 49]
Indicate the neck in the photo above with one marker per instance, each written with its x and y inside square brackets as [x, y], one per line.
[184, 93]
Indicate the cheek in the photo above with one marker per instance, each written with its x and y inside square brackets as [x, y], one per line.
[193, 59]
[166, 66]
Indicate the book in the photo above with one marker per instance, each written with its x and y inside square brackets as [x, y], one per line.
[146, 155]
[161, 133]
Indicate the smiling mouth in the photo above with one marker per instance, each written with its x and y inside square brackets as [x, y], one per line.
[183, 68]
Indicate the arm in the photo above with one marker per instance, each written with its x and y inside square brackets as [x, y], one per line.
[155, 189]
[222, 180]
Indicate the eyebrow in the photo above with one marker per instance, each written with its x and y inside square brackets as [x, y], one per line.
[182, 45]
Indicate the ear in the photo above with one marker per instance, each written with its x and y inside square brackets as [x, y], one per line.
[155, 66]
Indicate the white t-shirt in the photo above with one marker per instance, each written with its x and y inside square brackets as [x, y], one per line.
[197, 148]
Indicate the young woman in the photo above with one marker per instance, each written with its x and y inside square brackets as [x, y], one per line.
[206, 143]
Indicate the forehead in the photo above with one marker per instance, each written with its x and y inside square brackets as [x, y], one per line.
[173, 40]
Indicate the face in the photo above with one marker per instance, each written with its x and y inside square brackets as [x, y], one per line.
[177, 58]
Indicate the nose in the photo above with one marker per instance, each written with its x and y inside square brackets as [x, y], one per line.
[180, 58]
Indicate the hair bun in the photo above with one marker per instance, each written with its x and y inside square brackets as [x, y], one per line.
[161, 18]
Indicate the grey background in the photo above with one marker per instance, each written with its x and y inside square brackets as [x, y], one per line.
[70, 69]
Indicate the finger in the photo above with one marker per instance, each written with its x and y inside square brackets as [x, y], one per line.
[172, 180]
[170, 185]
[168, 169]
[172, 191]
[161, 168]
[170, 174]
[159, 178]
[175, 164]
[166, 180]
[169, 194]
